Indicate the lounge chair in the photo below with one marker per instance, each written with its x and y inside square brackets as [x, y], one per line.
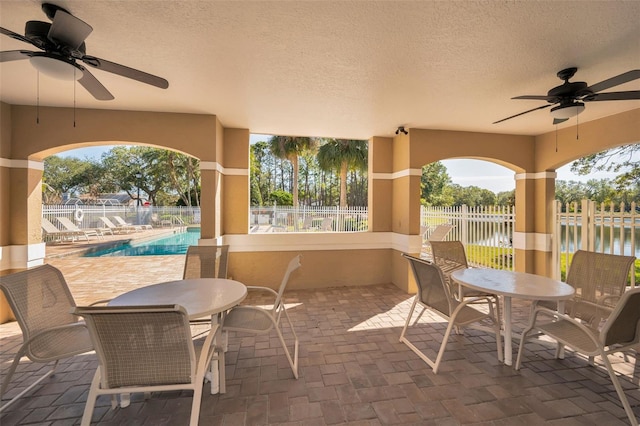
[122, 222]
[70, 226]
[56, 235]
[115, 228]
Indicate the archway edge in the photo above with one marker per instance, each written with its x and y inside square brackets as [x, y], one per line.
[197, 135]
[428, 146]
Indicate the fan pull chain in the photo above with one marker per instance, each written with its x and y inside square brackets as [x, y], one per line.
[75, 83]
[556, 138]
[577, 127]
[37, 97]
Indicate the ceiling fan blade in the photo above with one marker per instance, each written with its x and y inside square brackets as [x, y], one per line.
[14, 35]
[68, 30]
[522, 113]
[14, 55]
[124, 71]
[559, 120]
[615, 81]
[93, 86]
[538, 98]
[614, 96]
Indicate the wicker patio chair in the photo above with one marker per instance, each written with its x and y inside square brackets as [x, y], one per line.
[206, 262]
[41, 302]
[600, 280]
[620, 332]
[259, 320]
[434, 294]
[145, 349]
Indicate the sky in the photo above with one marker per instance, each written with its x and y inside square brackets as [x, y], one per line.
[463, 172]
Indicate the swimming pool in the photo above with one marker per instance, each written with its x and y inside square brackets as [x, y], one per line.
[174, 244]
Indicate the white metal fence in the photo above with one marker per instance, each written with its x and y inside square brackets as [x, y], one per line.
[304, 219]
[603, 228]
[87, 216]
[485, 231]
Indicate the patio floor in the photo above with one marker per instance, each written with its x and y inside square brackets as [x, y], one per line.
[352, 368]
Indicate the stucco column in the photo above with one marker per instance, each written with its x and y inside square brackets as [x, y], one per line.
[532, 238]
[236, 202]
[380, 176]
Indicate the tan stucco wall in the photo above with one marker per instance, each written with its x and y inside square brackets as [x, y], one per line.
[235, 201]
[593, 136]
[5, 182]
[320, 269]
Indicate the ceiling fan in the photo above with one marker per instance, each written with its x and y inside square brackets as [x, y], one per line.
[62, 44]
[569, 97]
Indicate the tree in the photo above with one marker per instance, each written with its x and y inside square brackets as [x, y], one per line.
[622, 160]
[343, 155]
[290, 148]
[435, 185]
[64, 175]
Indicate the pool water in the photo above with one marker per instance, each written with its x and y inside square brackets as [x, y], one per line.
[174, 244]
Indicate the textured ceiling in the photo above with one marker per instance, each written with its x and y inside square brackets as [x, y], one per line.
[348, 69]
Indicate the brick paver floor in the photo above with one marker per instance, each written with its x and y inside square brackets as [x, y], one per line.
[353, 370]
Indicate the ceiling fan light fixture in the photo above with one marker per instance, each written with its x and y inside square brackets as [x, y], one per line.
[567, 111]
[56, 68]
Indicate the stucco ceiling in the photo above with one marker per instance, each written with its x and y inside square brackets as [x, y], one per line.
[347, 69]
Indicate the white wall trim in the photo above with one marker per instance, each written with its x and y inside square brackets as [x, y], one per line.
[20, 257]
[214, 165]
[317, 241]
[538, 175]
[532, 241]
[21, 164]
[397, 175]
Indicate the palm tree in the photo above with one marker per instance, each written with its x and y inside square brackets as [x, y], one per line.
[342, 155]
[289, 148]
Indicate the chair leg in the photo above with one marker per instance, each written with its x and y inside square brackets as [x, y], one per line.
[12, 370]
[616, 384]
[195, 404]
[443, 346]
[91, 399]
[406, 324]
[292, 362]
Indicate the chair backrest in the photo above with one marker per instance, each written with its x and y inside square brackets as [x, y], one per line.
[327, 224]
[294, 264]
[39, 298]
[440, 232]
[622, 325]
[119, 220]
[432, 288]
[141, 345]
[107, 222]
[49, 227]
[598, 275]
[70, 226]
[449, 256]
[206, 262]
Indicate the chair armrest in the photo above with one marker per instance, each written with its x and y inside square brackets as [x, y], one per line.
[264, 289]
[561, 317]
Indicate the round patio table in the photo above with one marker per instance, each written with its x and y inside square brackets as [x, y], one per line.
[201, 297]
[509, 284]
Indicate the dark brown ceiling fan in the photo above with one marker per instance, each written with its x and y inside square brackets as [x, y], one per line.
[62, 44]
[567, 100]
